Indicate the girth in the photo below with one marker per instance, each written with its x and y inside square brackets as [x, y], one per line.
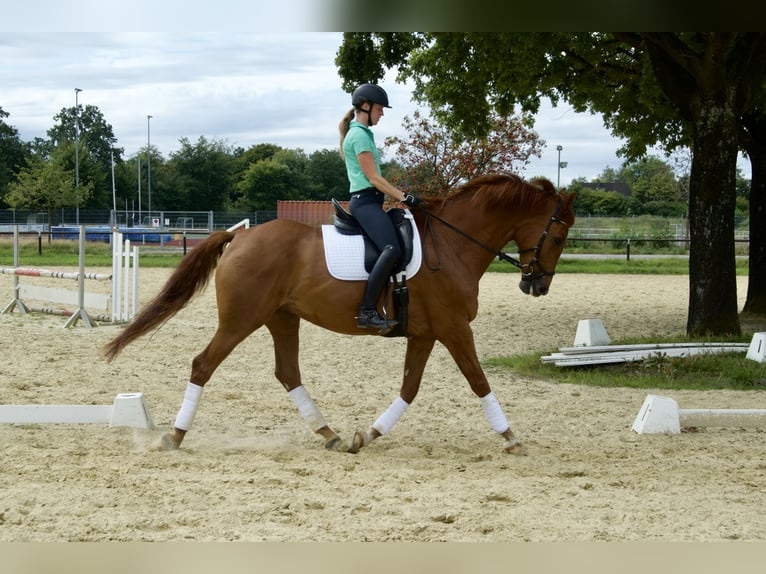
[347, 224]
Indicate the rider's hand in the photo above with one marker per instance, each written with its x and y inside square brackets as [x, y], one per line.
[411, 200]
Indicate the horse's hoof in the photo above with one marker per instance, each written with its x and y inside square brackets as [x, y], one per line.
[169, 443]
[514, 446]
[361, 439]
[337, 444]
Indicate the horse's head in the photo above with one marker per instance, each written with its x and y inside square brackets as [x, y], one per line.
[541, 242]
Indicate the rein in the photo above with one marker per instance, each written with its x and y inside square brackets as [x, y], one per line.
[527, 269]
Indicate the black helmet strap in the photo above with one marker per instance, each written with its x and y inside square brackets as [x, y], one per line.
[368, 111]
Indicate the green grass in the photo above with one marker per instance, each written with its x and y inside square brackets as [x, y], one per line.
[699, 372]
[64, 253]
[659, 266]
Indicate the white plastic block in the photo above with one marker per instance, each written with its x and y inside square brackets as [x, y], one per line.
[658, 415]
[757, 349]
[130, 410]
[591, 332]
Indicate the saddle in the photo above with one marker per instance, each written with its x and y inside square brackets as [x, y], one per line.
[346, 224]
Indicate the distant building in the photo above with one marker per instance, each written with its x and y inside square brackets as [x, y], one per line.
[310, 212]
[621, 188]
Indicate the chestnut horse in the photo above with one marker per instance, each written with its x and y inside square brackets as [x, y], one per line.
[275, 275]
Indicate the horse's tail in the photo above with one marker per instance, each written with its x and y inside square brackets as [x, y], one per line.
[190, 277]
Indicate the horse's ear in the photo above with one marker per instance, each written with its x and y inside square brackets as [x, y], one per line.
[567, 204]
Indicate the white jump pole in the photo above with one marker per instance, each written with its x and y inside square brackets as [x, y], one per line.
[127, 410]
[16, 302]
[124, 278]
[80, 313]
[660, 415]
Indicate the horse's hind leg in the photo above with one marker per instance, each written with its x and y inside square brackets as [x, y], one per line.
[203, 367]
[284, 328]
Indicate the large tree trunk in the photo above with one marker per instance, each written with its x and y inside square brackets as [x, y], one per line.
[712, 271]
[756, 286]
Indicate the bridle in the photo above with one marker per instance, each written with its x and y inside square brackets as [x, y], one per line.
[528, 272]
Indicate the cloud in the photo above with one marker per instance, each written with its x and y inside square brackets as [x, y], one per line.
[241, 88]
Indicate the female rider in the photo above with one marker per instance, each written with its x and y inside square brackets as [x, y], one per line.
[368, 188]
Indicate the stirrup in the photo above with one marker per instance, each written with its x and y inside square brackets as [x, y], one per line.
[373, 320]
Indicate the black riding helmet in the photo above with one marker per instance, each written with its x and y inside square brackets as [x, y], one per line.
[369, 93]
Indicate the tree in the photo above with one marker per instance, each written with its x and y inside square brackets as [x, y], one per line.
[97, 136]
[326, 176]
[435, 159]
[671, 89]
[264, 183]
[654, 186]
[753, 138]
[13, 154]
[204, 169]
[47, 184]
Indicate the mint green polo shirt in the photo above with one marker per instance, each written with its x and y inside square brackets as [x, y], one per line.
[358, 139]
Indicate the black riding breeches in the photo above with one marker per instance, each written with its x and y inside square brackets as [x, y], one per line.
[367, 207]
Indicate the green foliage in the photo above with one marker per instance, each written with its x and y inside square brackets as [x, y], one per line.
[264, 182]
[699, 372]
[204, 170]
[49, 184]
[97, 137]
[14, 155]
[434, 159]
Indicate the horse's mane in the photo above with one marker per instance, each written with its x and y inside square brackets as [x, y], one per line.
[503, 189]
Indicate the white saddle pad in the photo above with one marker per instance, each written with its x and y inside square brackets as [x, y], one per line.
[344, 254]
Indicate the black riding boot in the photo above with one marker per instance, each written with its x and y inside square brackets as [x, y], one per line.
[368, 312]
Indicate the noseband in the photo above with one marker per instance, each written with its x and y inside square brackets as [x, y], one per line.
[528, 272]
[527, 269]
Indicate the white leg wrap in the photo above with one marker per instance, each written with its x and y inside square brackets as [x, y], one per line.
[388, 419]
[494, 413]
[188, 407]
[307, 408]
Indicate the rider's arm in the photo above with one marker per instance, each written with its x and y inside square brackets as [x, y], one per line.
[370, 169]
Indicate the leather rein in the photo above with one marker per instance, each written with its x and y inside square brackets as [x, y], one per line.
[527, 269]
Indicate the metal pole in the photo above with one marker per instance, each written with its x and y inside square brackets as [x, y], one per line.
[114, 192]
[149, 164]
[558, 167]
[139, 190]
[77, 152]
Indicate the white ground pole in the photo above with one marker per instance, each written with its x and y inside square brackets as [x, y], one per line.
[660, 415]
[127, 410]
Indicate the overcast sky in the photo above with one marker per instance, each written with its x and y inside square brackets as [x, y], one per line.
[243, 88]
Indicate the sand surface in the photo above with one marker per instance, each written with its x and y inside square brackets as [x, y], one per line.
[251, 470]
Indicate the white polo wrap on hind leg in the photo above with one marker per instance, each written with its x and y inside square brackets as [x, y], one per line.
[307, 408]
[185, 416]
[388, 419]
[494, 413]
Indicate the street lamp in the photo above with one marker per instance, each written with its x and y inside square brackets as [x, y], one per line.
[561, 165]
[149, 164]
[77, 151]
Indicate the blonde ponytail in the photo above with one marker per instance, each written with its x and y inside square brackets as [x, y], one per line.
[343, 127]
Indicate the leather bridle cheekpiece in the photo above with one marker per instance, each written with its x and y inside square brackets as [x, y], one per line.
[527, 269]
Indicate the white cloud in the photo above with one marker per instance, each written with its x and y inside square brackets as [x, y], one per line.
[242, 88]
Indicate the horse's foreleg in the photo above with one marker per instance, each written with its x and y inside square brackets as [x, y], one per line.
[418, 351]
[284, 330]
[461, 347]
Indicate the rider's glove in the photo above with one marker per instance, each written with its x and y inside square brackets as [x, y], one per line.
[411, 200]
